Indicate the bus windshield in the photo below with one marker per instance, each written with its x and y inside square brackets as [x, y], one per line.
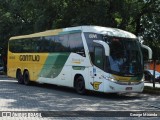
[125, 56]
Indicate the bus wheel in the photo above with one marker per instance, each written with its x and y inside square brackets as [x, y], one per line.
[80, 85]
[19, 77]
[26, 78]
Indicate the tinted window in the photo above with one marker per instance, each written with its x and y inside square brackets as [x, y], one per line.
[89, 39]
[76, 44]
[99, 57]
[24, 45]
[58, 43]
[61, 43]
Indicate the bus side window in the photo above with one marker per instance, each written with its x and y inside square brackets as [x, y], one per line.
[12, 46]
[52, 43]
[63, 40]
[18, 46]
[76, 44]
[99, 57]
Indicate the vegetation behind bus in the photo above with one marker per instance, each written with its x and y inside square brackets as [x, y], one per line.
[30, 16]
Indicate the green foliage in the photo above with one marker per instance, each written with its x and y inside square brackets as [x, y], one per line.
[141, 17]
[151, 28]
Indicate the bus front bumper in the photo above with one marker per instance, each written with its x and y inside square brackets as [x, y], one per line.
[112, 87]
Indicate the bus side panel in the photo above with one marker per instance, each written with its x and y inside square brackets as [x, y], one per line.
[53, 65]
[12, 64]
[33, 62]
[72, 65]
[78, 65]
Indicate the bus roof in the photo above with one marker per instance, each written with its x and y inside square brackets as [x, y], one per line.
[93, 29]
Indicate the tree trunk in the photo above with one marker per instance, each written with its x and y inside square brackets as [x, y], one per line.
[154, 68]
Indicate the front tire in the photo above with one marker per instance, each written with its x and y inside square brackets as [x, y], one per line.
[26, 78]
[80, 85]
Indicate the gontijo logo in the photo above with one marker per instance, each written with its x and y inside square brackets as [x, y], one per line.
[29, 58]
[95, 85]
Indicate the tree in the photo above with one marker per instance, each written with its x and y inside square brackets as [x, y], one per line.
[28, 16]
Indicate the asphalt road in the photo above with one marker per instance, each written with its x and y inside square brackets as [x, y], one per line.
[42, 97]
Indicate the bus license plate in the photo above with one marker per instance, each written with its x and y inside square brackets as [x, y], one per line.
[128, 88]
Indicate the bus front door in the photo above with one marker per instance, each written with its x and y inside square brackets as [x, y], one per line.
[96, 71]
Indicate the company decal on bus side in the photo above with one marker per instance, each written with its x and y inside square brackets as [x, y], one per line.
[77, 61]
[29, 58]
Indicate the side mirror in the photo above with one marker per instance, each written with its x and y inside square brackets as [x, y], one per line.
[105, 45]
[149, 51]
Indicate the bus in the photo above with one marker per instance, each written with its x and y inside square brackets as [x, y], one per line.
[93, 58]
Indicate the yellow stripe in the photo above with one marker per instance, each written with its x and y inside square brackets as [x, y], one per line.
[45, 33]
[34, 68]
[126, 79]
[78, 62]
[120, 78]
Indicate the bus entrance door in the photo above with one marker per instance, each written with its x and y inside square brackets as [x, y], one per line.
[97, 70]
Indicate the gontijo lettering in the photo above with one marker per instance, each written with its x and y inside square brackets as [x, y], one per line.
[29, 58]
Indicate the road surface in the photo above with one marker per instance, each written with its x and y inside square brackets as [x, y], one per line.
[50, 98]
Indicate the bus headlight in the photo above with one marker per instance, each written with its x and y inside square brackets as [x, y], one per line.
[142, 79]
[112, 79]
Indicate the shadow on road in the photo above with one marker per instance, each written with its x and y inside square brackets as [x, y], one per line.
[114, 96]
[52, 97]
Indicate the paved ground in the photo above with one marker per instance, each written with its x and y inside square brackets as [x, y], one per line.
[15, 97]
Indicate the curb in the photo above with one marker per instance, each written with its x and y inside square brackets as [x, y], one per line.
[151, 90]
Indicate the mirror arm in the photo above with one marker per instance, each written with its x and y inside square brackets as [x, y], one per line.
[149, 51]
[105, 45]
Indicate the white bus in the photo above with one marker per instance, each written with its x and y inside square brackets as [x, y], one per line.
[93, 58]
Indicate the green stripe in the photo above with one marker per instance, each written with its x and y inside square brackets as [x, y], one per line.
[54, 65]
[78, 67]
